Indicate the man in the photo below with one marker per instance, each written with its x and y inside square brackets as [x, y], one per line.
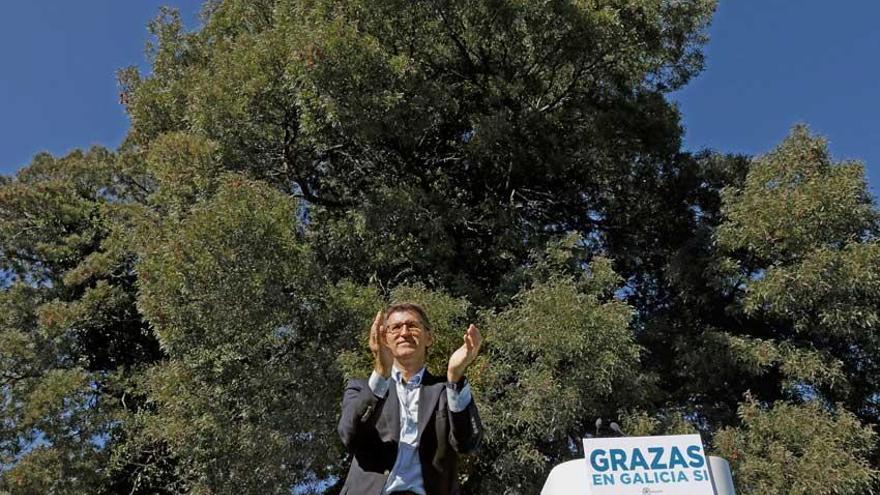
[404, 426]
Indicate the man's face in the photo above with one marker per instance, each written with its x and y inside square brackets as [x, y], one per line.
[407, 337]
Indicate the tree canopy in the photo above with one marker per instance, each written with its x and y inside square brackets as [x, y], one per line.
[179, 315]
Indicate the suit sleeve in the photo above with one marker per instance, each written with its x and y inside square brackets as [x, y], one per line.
[466, 429]
[360, 411]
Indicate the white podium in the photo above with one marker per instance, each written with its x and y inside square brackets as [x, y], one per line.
[567, 478]
[722, 480]
[570, 478]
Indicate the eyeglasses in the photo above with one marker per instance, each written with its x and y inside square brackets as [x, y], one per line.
[398, 329]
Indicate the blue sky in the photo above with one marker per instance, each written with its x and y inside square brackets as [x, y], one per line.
[770, 64]
[774, 63]
[58, 75]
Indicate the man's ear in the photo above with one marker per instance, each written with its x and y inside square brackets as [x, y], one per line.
[430, 338]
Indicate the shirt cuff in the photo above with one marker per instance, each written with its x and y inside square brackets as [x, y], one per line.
[459, 400]
[379, 384]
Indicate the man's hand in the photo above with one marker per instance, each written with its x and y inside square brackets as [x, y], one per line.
[464, 355]
[382, 358]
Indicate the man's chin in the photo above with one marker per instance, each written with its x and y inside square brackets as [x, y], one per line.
[406, 352]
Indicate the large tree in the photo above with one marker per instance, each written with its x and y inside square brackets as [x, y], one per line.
[455, 136]
[179, 315]
[71, 335]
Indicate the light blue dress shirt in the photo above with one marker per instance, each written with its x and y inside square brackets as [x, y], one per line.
[406, 475]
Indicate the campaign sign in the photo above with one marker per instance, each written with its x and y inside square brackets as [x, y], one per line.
[666, 465]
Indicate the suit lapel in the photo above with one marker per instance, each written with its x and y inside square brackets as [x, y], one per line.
[429, 394]
[394, 414]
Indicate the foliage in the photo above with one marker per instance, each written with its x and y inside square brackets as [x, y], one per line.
[70, 332]
[558, 357]
[807, 257]
[798, 449]
[232, 295]
[179, 315]
[462, 134]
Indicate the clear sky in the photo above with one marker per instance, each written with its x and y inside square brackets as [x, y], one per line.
[775, 63]
[58, 63]
[770, 64]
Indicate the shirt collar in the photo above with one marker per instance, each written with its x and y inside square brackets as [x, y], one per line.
[415, 381]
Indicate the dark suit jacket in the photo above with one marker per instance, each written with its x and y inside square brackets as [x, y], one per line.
[370, 430]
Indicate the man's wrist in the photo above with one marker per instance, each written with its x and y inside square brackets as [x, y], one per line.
[378, 385]
[456, 385]
[383, 371]
[453, 377]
